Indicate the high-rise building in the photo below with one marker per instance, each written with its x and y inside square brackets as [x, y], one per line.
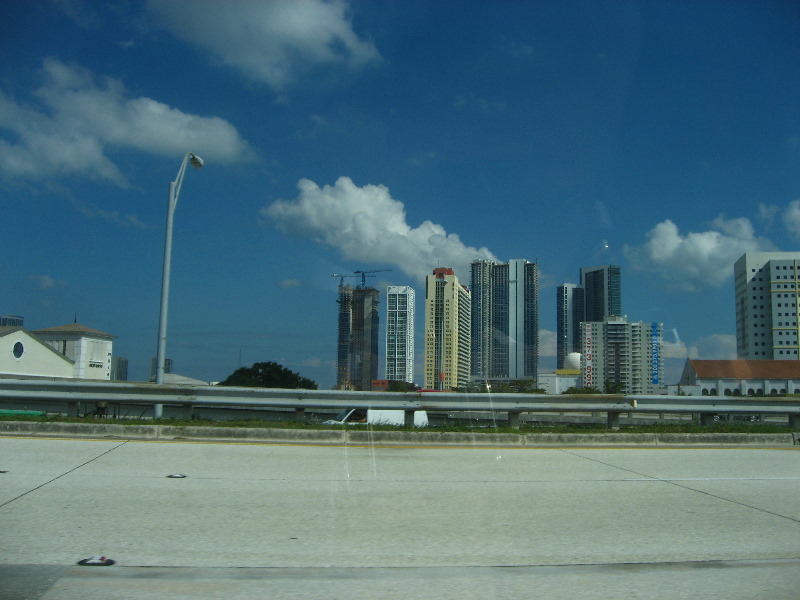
[602, 292]
[447, 331]
[11, 321]
[343, 344]
[400, 333]
[598, 295]
[357, 344]
[569, 314]
[767, 289]
[505, 320]
[622, 357]
[119, 368]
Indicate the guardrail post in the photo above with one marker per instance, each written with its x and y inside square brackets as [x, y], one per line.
[408, 418]
[794, 421]
[299, 414]
[513, 419]
[613, 419]
[188, 412]
[706, 419]
[74, 409]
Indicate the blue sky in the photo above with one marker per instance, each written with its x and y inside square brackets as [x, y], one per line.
[663, 136]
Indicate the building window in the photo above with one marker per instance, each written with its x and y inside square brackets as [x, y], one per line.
[18, 350]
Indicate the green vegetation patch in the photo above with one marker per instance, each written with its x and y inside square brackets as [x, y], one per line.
[584, 428]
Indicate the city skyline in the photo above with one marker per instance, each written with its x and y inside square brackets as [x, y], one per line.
[406, 135]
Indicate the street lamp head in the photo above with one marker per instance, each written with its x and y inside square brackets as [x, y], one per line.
[196, 161]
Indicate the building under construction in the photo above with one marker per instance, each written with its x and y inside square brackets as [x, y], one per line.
[357, 346]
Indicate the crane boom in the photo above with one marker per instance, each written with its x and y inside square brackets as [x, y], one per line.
[364, 275]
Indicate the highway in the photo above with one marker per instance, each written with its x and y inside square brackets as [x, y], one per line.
[296, 521]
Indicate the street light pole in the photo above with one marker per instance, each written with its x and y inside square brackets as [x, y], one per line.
[172, 201]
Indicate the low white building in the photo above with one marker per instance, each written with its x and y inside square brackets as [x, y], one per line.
[739, 377]
[90, 349]
[23, 354]
[563, 379]
[559, 381]
[73, 350]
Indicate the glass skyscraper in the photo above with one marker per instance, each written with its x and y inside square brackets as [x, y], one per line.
[598, 295]
[505, 320]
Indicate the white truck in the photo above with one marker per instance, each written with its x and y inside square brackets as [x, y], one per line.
[360, 416]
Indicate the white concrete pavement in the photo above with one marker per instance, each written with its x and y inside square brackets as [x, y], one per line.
[285, 521]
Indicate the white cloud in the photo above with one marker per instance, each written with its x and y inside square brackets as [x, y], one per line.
[366, 224]
[672, 346]
[78, 121]
[45, 282]
[718, 346]
[112, 216]
[696, 260]
[767, 212]
[269, 41]
[314, 362]
[791, 218]
[290, 283]
[547, 342]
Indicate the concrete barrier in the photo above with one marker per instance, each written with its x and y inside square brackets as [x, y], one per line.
[361, 436]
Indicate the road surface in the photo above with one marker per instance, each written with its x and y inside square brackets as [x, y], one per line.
[292, 521]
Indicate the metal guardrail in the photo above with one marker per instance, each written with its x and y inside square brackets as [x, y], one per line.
[74, 392]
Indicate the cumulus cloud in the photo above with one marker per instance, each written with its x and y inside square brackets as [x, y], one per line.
[767, 212]
[78, 120]
[718, 346]
[366, 224]
[270, 41]
[791, 218]
[700, 259]
[672, 346]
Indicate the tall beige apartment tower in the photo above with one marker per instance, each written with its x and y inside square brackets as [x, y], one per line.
[447, 331]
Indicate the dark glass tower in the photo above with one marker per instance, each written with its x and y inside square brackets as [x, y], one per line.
[505, 320]
[598, 295]
[357, 344]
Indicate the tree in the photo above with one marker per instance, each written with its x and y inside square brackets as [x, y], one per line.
[268, 375]
[583, 390]
[401, 386]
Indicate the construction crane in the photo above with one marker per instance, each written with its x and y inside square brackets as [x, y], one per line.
[364, 275]
[341, 277]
